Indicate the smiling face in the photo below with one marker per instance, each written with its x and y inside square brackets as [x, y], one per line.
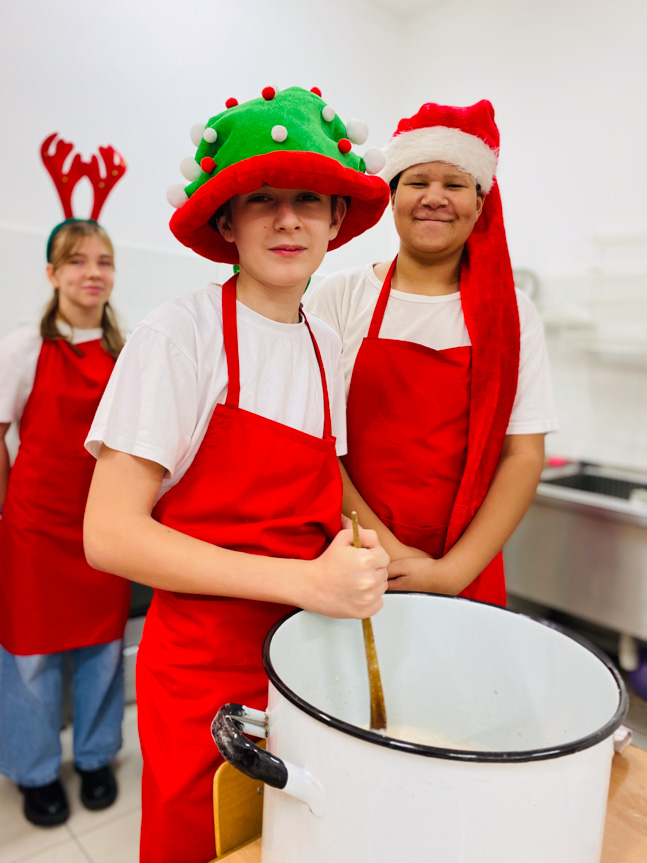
[84, 280]
[281, 235]
[435, 207]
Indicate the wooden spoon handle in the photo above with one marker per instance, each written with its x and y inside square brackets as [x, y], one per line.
[378, 710]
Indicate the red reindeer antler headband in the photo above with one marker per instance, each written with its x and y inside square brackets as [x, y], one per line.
[65, 181]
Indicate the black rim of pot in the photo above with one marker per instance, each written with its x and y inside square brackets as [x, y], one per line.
[381, 739]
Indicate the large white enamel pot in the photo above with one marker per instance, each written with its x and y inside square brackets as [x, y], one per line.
[524, 716]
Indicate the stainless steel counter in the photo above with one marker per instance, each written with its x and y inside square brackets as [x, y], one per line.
[582, 547]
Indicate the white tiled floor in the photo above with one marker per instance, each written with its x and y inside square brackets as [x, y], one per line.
[110, 836]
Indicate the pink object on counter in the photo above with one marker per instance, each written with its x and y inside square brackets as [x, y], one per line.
[557, 461]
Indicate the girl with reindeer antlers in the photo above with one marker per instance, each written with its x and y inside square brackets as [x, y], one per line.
[51, 600]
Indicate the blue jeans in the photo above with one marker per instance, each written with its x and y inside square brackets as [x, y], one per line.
[31, 689]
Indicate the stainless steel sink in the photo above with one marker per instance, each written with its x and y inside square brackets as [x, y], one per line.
[594, 480]
[582, 547]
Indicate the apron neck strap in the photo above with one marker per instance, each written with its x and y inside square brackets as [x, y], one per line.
[230, 335]
[327, 428]
[380, 308]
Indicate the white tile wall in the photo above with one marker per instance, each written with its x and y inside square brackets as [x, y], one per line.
[602, 409]
[596, 331]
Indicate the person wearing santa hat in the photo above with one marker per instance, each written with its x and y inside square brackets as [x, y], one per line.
[449, 397]
[217, 480]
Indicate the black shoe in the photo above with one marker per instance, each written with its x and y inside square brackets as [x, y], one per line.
[46, 805]
[98, 787]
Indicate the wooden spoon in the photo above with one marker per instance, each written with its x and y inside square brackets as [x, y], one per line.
[378, 710]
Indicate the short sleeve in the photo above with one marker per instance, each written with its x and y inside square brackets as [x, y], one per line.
[533, 411]
[150, 406]
[19, 354]
[325, 300]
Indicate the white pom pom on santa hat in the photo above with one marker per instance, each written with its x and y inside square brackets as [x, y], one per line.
[196, 133]
[210, 135]
[357, 131]
[374, 160]
[328, 113]
[176, 196]
[190, 168]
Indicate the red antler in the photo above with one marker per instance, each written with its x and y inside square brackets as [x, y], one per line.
[115, 169]
[64, 181]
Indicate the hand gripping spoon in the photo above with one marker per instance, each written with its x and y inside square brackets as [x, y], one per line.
[378, 711]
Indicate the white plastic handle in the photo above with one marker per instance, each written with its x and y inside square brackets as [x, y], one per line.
[253, 722]
[622, 737]
[303, 786]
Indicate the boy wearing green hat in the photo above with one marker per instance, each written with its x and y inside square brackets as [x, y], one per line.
[217, 440]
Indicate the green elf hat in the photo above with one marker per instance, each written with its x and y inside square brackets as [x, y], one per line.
[289, 139]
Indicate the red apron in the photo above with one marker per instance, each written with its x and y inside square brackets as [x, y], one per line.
[408, 417]
[257, 486]
[50, 598]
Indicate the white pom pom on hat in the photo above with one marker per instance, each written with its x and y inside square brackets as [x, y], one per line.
[210, 135]
[374, 160]
[196, 133]
[190, 168]
[357, 131]
[176, 196]
[279, 134]
[328, 113]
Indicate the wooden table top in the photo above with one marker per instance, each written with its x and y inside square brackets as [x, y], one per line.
[625, 832]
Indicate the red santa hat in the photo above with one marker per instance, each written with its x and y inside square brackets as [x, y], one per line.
[469, 138]
[465, 137]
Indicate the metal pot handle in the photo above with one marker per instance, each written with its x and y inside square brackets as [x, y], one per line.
[227, 731]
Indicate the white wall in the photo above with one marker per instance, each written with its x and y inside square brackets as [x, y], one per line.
[568, 80]
[138, 74]
[567, 77]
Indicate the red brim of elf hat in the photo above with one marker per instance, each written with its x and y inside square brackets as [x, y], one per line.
[285, 169]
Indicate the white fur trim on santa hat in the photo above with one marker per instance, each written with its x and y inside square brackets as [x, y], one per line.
[441, 144]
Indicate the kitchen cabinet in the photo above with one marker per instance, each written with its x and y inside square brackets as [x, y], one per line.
[581, 548]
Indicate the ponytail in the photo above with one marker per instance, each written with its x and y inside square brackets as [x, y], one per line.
[112, 341]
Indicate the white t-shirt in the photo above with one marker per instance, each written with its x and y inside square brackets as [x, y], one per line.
[173, 371]
[346, 300]
[19, 353]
